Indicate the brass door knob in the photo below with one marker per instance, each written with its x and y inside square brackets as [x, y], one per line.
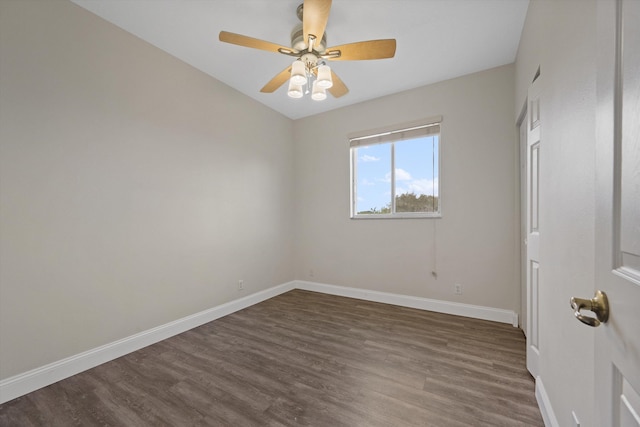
[599, 304]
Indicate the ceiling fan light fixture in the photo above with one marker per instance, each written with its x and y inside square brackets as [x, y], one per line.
[295, 91]
[324, 77]
[298, 73]
[318, 93]
[309, 46]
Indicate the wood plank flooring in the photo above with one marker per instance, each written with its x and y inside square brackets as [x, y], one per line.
[304, 358]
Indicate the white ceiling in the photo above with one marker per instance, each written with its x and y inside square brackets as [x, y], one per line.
[436, 40]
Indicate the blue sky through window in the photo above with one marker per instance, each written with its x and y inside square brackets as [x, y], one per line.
[416, 171]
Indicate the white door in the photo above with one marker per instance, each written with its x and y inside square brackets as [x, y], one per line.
[617, 342]
[533, 230]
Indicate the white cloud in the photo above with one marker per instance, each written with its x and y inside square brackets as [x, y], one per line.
[406, 184]
[368, 158]
[402, 175]
[365, 181]
[419, 186]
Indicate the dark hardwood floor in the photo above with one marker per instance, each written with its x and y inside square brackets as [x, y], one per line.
[304, 358]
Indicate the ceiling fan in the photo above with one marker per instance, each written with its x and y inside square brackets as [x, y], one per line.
[308, 46]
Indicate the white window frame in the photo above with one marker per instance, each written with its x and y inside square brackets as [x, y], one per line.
[395, 133]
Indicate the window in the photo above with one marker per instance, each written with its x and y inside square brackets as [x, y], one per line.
[395, 172]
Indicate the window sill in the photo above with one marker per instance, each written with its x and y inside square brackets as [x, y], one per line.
[432, 215]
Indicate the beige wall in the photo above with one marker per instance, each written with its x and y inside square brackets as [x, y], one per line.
[560, 37]
[134, 189]
[475, 241]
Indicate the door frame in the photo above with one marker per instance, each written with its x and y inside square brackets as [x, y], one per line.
[521, 156]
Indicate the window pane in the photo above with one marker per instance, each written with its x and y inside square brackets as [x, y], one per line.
[416, 175]
[373, 179]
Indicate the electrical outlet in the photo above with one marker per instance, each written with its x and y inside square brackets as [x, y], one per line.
[457, 289]
[240, 285]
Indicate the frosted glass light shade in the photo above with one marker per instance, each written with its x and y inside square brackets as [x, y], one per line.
[324, 77]
[294, 91]
[318, 93]
[298, 73]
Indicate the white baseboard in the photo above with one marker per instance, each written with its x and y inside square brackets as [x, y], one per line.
[448, 307]
[35, 379]
[544, 404]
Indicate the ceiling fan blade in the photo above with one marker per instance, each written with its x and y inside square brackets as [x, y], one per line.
[315, 14]
[246, 41]
[371, 49]
[277, 81]
[339, 88]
